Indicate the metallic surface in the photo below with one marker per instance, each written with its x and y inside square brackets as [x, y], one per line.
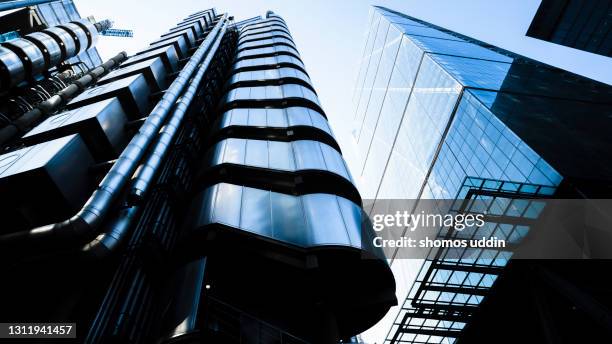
[30, 55]
[187, 33]
[116, 231]
[133, 93]
[167, 54]
[101, 125]
[195, 27]
[12, 70]
[283, 124]
[179, 43]
[152, 69]
[51, 105]
[39, 182]
[81, 39]
[65, 41]
[90, 31]
[146, 173]
[89, 218]
[49, 47]
[13, 4]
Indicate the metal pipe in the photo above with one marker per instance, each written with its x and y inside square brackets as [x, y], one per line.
[10, 5]
[60, 98]
[117, 229]
[83, 225]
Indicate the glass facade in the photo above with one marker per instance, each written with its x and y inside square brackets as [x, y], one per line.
[583, 25]
[436, 111]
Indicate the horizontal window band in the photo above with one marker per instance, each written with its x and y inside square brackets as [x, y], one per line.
[265, 30]
[284, 134]
[271, 103]
[270, 32]
[244, 40]
[268, 66]
[268, 44]
[301, 182]
[263, 55]
[270, 82]
[262, 24]
[264, 41]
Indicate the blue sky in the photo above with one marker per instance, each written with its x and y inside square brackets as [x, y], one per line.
[330, 35]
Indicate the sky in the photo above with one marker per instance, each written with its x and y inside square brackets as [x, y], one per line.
[330, 35]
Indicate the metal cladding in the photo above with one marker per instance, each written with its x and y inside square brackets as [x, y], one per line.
[101, 126]
[12, 70]
[37, 180]
[48, 45]
[64, 39]
[187, 33]
[179, 43]
[31, 56]
[132, 91]
[277, 165]
[254, 62]
[196, 28]
[80, 35]
[39, 51]
[153, 70]
[283, 74]
[205, 159]
[278, 124]
[90, 31]
[274, 183]
[167, 54]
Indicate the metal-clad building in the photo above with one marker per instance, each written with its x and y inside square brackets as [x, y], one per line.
[190, 193]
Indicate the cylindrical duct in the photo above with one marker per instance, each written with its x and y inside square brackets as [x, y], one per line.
[90, 30]
[64, 39]
[31, 56]
[27, 57]
[11, 68]
[49, 47]
[78, 35]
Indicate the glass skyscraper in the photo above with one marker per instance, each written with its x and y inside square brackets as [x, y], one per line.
[439, 115]
[583, 25]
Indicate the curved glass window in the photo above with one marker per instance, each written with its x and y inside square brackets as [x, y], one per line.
[264, 29]
[277, 118]
[275, 49]
[271, 30]
[265, 35]
[271, 93]
[265, 42]
[262, 23]
[304, 221]
[270, 74]
[293, 156]
[268, 61]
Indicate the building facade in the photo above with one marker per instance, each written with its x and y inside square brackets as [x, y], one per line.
[192, 192]
[442, 116]
[583, 25]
